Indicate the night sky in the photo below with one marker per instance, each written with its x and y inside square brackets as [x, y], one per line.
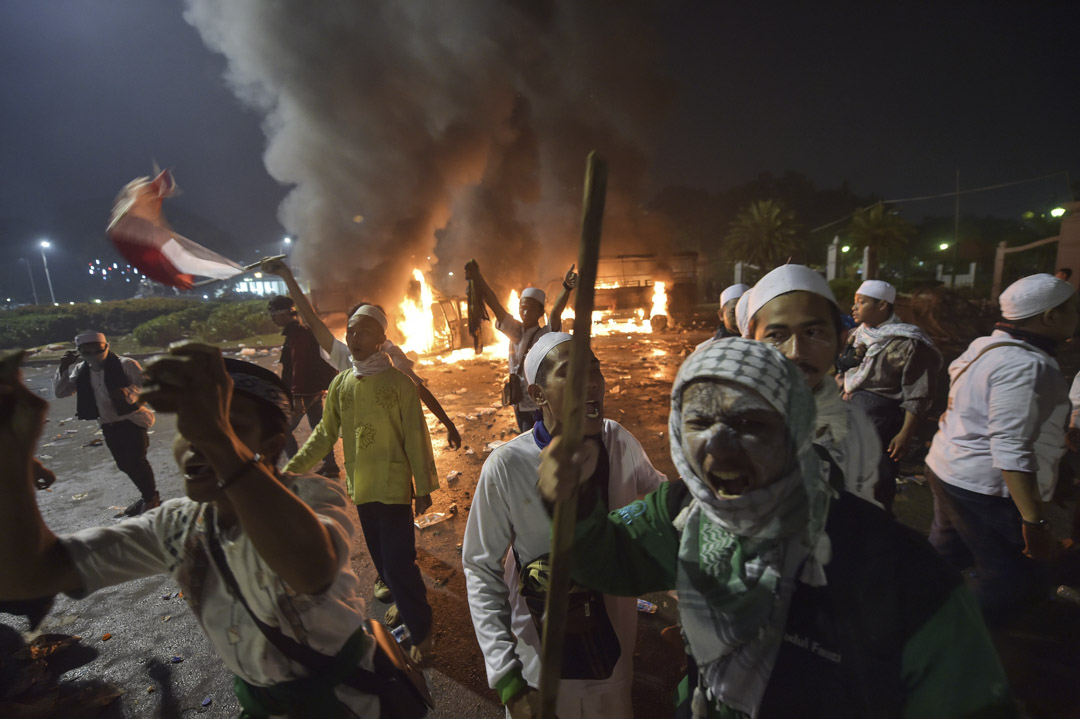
[892, 101]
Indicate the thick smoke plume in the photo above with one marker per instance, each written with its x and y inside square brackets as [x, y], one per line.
[445, 130]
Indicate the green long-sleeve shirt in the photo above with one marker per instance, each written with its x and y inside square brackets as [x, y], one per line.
[385, 436]
[949, 667]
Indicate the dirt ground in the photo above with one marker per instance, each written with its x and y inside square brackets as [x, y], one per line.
[150, 627]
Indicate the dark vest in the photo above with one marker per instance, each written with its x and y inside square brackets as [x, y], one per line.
[843, 642]
[115, 382]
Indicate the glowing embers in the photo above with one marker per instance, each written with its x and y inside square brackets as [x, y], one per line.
[415, 320]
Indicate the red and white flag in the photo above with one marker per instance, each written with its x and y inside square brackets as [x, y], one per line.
[142, 236]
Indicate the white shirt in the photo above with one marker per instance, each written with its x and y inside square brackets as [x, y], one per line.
[1074, 400]
[64, 386]
[521, 340]
[507, 510]
[1006, 412]
[341, 359]
[153, 543]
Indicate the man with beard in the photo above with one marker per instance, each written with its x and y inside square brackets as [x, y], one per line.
[107, 388]
[891, 372]
[507, 590]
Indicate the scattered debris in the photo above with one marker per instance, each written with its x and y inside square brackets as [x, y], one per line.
[94, 443]
[246, 352]
[431, 518]
[452, 509]
[150, 689]
[79, 497]
[177, 660]
[207, 701]
[166, 618]
[71, 431]
[469, 451]
[106, 637]
[453, 477]
[493, 444]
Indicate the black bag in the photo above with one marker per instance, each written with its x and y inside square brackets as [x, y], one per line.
[400, 685]
[591, 648]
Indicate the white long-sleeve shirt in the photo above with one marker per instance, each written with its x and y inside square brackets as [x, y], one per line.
[848, 435]
[1074, 400]
[64, 386]
[507, 510]
[1007, 412]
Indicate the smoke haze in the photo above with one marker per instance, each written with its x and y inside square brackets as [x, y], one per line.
[445, 130]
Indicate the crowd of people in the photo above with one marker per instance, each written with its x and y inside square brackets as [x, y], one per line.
[799, 593]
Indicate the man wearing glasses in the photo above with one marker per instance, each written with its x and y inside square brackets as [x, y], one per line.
[107, 389]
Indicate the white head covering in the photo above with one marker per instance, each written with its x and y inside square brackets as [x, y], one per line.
[88, 337]
[534, 293]
[1033, 295]
[370, 311]
[879, 290]
[741, 318]
[784, 279]
[547, 342]
[733, 292]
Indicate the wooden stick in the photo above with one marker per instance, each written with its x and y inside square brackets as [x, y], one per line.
[247, 268]
[573, 421]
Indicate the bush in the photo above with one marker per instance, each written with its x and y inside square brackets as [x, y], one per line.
[160, 331]
[844, 290]
[39, 325]
[236, 320]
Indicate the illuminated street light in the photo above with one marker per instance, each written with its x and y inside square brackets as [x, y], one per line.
[1057, 212]
[846, 248]
[943, 246]
[45, 244]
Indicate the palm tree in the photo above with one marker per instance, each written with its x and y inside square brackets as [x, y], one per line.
[763, 234]
[878, 229]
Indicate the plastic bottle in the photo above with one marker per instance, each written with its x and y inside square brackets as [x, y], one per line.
[401, 633]
[647, 607]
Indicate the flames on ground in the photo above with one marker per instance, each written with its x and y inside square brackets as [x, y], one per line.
[416, 323]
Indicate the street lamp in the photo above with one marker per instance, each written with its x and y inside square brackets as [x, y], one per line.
[285, 243]
[45, 244]
[846, 248]
[1057, 212]
[943, 246]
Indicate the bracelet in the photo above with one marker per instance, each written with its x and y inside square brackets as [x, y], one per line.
[224, 483]
[1038, 524]
[567, 287]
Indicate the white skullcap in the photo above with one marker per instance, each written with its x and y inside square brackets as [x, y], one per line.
[784, 279]
[90, 337]
[534, 293]
[733, 292]
[878, 289]
[741, 318]
[540, 349]
[370, 311]
[1033, 295]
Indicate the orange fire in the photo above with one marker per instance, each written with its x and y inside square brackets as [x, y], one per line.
[659, 300]
[415, 321]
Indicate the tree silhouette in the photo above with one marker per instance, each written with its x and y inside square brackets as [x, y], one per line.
[881, 230]
[763, 234]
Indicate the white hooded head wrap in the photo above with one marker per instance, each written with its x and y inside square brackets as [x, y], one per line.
[1033, 295]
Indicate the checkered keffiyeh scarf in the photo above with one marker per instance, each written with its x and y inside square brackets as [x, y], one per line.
[739, 558]
[876, 339]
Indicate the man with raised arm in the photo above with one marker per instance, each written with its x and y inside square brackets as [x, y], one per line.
[338, 352]
[523, 334]
[231, 425]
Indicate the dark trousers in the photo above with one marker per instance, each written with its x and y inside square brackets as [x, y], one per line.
[971, 528]
[391, 540]
[525, 420]
[313, 409]
[888, 419]
[128, 443]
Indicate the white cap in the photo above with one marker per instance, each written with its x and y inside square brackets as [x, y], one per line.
[90, 337]
[784, 279]
[370, 311]
[547, 342]
[534, 293]
[741, 318]
[1033, 295]
[878, 289]
[733, 292]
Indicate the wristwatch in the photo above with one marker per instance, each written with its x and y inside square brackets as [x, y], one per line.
[1038, 524]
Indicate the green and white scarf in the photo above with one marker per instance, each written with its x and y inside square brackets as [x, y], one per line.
[739, 558]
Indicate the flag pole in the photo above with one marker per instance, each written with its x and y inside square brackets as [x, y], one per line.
[247, 268]
[573, 420]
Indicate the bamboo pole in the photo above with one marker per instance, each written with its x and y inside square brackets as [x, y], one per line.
[573, 421]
